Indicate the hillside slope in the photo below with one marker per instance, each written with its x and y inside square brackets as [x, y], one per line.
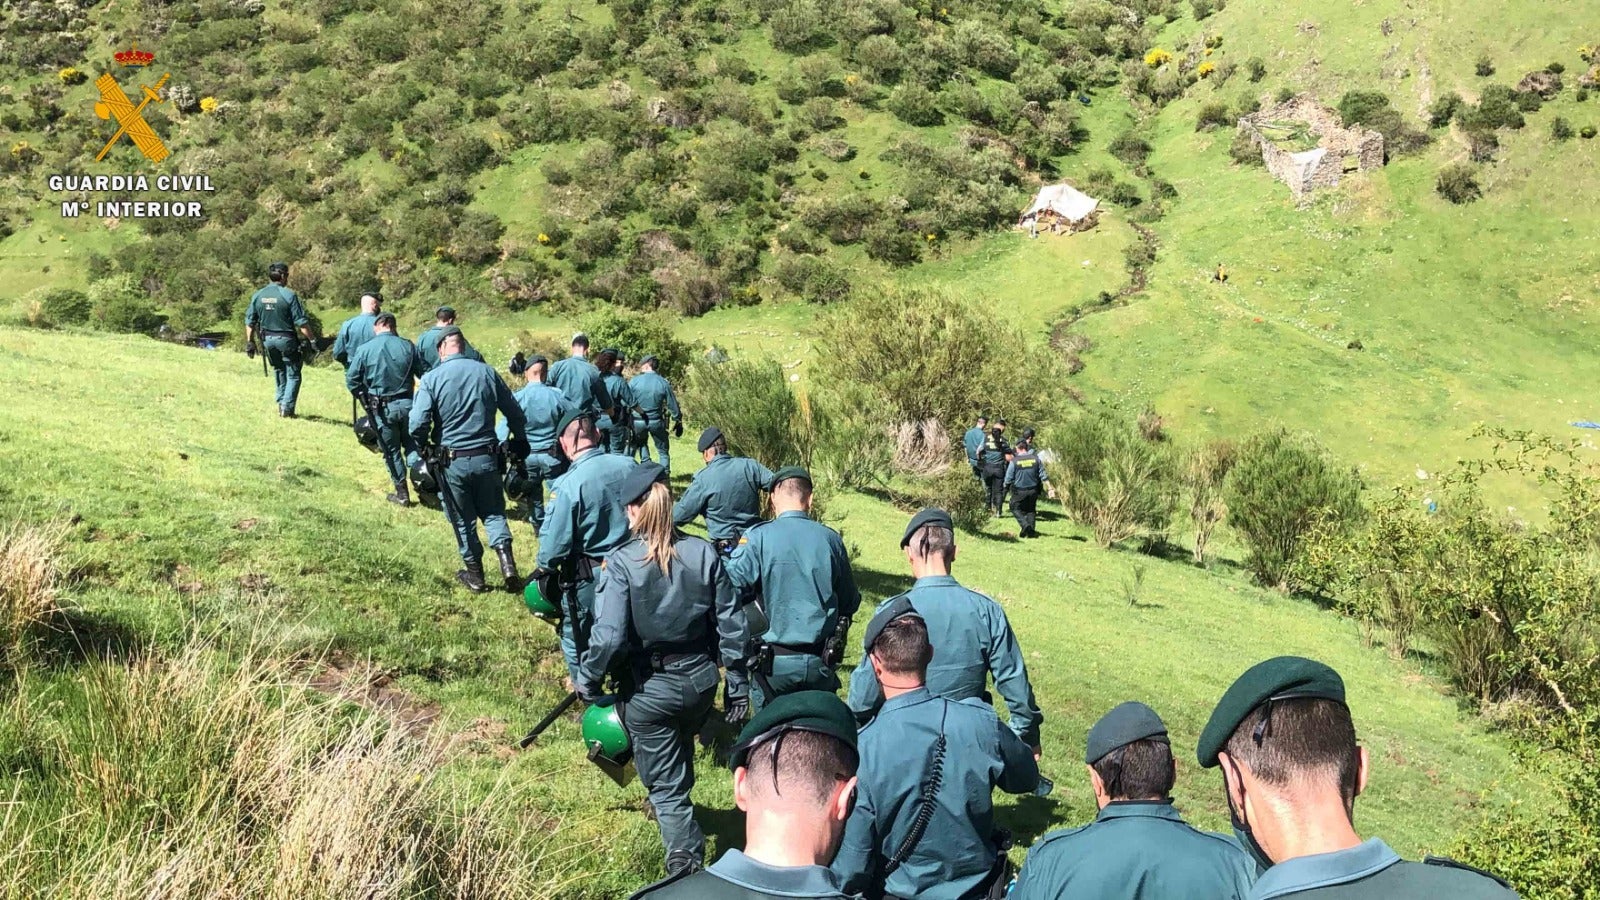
[190, 502]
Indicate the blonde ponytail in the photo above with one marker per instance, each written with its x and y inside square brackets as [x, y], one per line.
[655, 527]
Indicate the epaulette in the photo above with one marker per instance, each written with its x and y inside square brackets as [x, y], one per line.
[1448, 863]
[1058, 835]
[647, 890]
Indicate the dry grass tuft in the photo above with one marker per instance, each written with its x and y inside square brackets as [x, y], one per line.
[29, 579]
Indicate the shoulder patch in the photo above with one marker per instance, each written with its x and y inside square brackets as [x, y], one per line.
[1448, 863]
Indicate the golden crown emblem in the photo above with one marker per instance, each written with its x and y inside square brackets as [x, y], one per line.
[134, 56]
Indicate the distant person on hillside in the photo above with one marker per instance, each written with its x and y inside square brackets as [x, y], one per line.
[1138, 847]
[655, 402]
[543, 406]
[357, 330]
[1292, 769]
[1025, 477]
[518, 364]
[578, 378]
[794, 777]
[386, 368]
[727, 492]
[428, 341]
[923, 826]
[277, 320]
[973, 442]
[970, 633]
[616, 431]
[993, 459]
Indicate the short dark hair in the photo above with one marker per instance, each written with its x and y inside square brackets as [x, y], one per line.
[580, 340]
[799, 488]
[932, 540]
[903, 646]
[385, 319]
[605, 361]
[457, 340]
[1142, 770]
[1282, 740]
[800, 761]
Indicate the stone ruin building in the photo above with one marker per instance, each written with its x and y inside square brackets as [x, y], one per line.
[1304, 145]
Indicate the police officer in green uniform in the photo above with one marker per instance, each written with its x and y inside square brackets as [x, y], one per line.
[615, 431]
[274, 316]
[969, 631]
[664, 618]
[992, 460]
[1138, 847]
[727, 492]
[656, 402]
[357, 330]
[923, 826]
[1292, 770]
[800, 570]
[578, 378]
[542, 406]
[584, 521]
[972, 442]
[1025, 478]
[794, 776]
[428, 341]
[455, 408]
[386, 368]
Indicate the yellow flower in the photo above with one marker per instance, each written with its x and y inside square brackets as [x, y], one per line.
[1157, 58]
[1210, 50]
[208, 104]
[1206, 68]
[19, 148]
[932, 237]
[70, 75]
[851, 78]
[544, 238]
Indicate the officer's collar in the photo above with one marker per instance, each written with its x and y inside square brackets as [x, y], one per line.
[793, 513]
[451, 359]
[909, 698]
[1319, 870]
[1151, 809]
[586, 454]
[934, 581]
[787, 881]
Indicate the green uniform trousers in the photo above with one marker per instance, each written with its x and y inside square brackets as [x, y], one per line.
[542, 466]
[662, 719]
[394, 435]
[283, 354]
[577, 619]
[478, 495]
[791, 673]
[652, 429]
[614, 436]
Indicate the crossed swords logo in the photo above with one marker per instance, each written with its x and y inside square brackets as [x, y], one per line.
[115, 103]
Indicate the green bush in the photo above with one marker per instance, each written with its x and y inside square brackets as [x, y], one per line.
[1560, 128]
[1256, 68]
[1445, 108]
[956, 492]
[1213, 116]
[1130, 148]
[65, 306]
[751, 402]
[1203, 474]
[1373, 110]
[1281, 487]
[1497, 108]
[1244, 151]
[1586, 132]
[1484, 66]
[120, 305]
[1458, 183]
[914, 104]
[890, 242]
[637, 333]
[1113, 480]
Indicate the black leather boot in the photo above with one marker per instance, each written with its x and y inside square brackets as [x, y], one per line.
[401, 495]
[508, 566]
[471, 577]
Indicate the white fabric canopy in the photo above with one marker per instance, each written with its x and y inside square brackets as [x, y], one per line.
[1064, 200]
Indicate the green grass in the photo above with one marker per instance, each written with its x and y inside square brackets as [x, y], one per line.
[193, 506]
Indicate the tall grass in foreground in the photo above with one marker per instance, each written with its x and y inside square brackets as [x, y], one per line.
[28, 582]
[211, 774]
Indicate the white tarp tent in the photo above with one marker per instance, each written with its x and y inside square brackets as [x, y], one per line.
[1061, 200]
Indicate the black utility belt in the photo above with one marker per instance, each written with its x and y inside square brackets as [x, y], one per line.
[468, 454]
[287, 334]
[403, 395]
[798, 649]
[660, 662]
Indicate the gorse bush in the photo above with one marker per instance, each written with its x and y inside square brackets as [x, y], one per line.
[1204, 472]
[120, 305]
[1458, 183]
[1281, 487]
[750, 400]
[636, 334]
[65, 306]
[1114, 480]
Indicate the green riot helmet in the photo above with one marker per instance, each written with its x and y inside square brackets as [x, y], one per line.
[604, 735]
[423, 479]
[537, 604]
[367, 434]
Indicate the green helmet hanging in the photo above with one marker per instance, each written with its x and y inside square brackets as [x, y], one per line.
[537, 604]
[602, 728]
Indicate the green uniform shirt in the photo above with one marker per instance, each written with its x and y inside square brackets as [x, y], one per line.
[621, 397]
[637, 609]
[728, 493]
[802, 571]
[428, 346]
[957, 851]
[738, 877]
[276, 308]
[581, 382]
[1135, 850]
[972, 441]
[355, 331]
[464, 394]
[1026, 472]
[542, 406]
[993, 453]
[1372, 871]
[654, 395]
[584, 515]
[973, 640]
[384, 367]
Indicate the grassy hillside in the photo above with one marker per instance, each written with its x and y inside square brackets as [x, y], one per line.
[190, 506]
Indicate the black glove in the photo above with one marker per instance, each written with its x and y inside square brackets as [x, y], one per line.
[250, 349]
[308, 351]
[594, 696]
[738, 709]
[677, 429]
[518, 447]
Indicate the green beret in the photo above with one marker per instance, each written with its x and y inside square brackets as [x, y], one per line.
[708, 437]
[444, 314]
[638, 480]
[894, 609]
[788, 472]
[1126, 723]
[538, 358]
[648, 359]
[820, 712]
[1280, 678]
[567, 418]
[938, 518]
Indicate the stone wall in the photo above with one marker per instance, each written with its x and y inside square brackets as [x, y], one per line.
[1338, 150]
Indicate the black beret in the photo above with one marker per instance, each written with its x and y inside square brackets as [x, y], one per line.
[1126, 723]
[444, 312]
[930, 516]
[538, 358]
[819, 712]
[894, 609]
[567, 418]
[613, 351]
[639, 480]
[385, 318]
[788, 472]
[647, 359]
[708, 437]
[1279, 678]
[449, 331]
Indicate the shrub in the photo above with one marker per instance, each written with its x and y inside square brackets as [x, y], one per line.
[637, 333]
[1484, 66]
[914, 104]
[1244, 151]
[1284, 95]
[120, 305]
[1213, 116]
[1482, 144]
[1445, 108]
[1157, 57]
[1458, 183]
[65, 306]
[1281, 487]
[1528, 101]
[1586, 132]
[956, 492]
[1124, 193]
[1130, 148]
[1204, 8]
[1555, 68]
[880, 56]
[1256, 68]
[1121, 485]
[1203, 474]
[1582, 95]
[751, 402]
[557, 173]
[1560, 128]
[1497, 108]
